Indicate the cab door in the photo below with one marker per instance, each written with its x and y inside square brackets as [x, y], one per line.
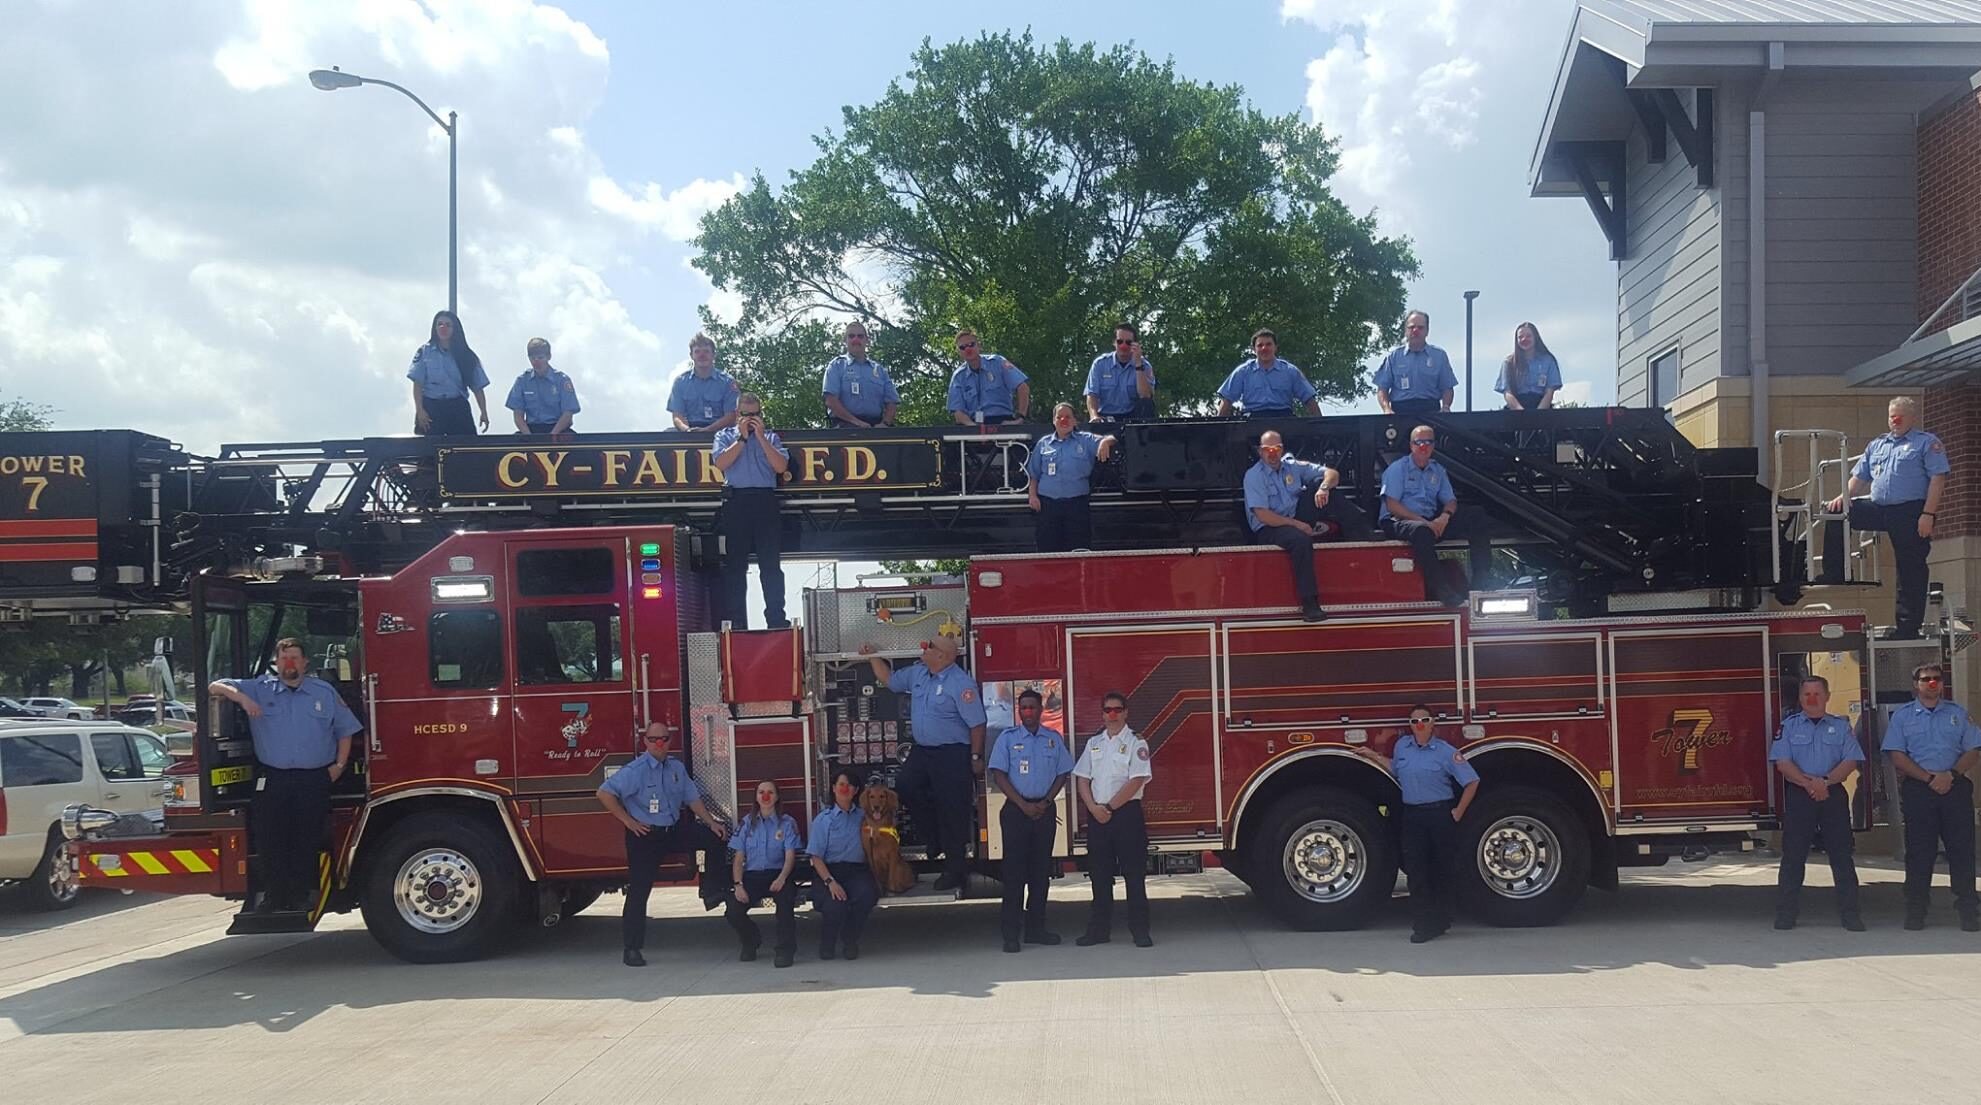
[575, 707]
[225, 747]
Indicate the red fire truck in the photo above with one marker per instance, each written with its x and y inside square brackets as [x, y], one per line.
[502, 672]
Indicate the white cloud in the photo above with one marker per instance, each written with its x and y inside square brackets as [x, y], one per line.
[1435, 105]
[248, 258]
[1575, 391]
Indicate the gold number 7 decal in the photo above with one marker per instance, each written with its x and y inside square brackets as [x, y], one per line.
[37, 484]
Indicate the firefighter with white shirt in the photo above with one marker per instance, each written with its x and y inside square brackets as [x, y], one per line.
[1111, 773]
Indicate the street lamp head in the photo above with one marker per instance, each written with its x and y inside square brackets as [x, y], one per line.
[1471, 295]
[330, 80]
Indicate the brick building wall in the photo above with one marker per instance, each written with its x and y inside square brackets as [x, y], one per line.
[1949, 159]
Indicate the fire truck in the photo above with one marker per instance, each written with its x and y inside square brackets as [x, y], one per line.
[504, 615]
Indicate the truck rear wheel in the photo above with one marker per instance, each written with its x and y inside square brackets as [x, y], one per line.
[1525, 858]
[1322, 861]
[440, 888]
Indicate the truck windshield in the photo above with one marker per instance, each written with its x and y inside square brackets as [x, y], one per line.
[240, 640]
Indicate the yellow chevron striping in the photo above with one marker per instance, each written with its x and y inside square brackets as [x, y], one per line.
[109, 866]
[192, 860]
[149, 862]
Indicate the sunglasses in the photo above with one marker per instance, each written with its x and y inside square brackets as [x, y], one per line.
[1114, 709]
[1931, 680]
[1422, 441]
[966, 345]
[1124, 341]
[1420, 721]
[661, 739]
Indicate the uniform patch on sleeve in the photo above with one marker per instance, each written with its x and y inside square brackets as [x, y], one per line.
[1458, 757]
[969, 695]
[1939, 447]
[1142, 753]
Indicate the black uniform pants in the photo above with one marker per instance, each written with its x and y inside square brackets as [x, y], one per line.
[1430, 859]
[289, 812]
[1530, 402]
[1900, 522]
[1416, 406]
[844, 921]
[750, 525]
[1423, 542]
[940, 793]
[1351, 523]
[756, 884]
[1802, 819]
[449, 417]
[1027, 869]
[1932, 821]
[1065, 524]
[542, 427]
[1121, 845]
[644, 855]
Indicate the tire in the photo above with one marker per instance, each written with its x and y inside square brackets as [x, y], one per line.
[53, 886]
[1524, 858]
[1323, 860]
[441, 888]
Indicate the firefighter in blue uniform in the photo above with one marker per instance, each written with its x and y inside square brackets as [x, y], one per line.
[1426, 769]
[938, 781]
[764, 854]
[1121, 384]
[857, 391]
[703, 397]
[302, 741]
[1905, 472]
[1816, 753]
[1276, 509]
[1061, 468]
[1418, 505]
[542, 399]
[647, 797]
[986, 389]
[844, 891]
[1933, 745]
[1266, 386]
[1416, 377]
[752, 459]
[1030, 764]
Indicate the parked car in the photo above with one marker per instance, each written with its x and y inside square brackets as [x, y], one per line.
[177, 715]
[11, 708]
[57, 707]
[47, 764]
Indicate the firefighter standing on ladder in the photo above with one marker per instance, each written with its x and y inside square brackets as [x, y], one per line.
[946, 718]
[1905, 471]
[647, 796]
[752, 459]
[302, 740]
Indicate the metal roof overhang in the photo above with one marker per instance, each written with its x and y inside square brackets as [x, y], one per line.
[1948, 356]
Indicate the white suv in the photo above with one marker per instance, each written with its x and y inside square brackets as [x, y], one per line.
[45, 764]
[58, 707]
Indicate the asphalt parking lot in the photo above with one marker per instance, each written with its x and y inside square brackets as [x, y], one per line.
[1674, 989]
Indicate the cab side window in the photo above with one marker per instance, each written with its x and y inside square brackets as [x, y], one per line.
[41, 761]
[464, 649]
[568, 644]
[114, 756]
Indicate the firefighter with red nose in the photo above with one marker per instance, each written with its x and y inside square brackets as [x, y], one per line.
[302, 740]
[938, 780]
[647, 797]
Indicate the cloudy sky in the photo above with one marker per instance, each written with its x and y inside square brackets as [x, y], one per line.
[197, 243]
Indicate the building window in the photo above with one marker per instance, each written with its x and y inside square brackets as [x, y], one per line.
[1664, 377]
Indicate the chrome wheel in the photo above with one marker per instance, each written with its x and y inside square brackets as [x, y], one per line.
[1325, 861]
[63, 886]
[1519, 856]
[437, 890]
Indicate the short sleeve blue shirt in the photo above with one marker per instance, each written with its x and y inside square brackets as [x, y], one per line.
[1424, 491]
[1032, 760]
[653, 791]
[1274, 389]
[1111, 381]
[1815, 745]
[1425, 374]
[1543, 372]
[1278, 489]
[1064, 469]
[439, 375]
[764, 841]
[863, 387]
[700, 400]
[835, 836]
[1934, 738]
[1899, 468]
[1426, 773]
[943, 707]
[989, 391]
[299, 727]
[542, 398]
[751, 468]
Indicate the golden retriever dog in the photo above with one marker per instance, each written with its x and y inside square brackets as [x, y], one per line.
[882, 840]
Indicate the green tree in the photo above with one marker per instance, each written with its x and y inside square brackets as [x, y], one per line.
[1039, 195]
[19, 414]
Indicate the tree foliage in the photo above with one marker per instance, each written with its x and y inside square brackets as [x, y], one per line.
[1039, 195]
[49, 656]
[19, 414]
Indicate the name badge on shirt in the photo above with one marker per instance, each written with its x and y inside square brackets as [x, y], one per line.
[853, 386]
[1024, 767]
[1403, 383]
[1052, 468]
[653, 805]
[708, 410]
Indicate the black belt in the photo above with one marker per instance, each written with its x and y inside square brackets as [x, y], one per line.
[325, 767]
[1444, 805]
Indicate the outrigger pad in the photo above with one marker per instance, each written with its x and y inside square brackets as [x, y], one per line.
[262, 924]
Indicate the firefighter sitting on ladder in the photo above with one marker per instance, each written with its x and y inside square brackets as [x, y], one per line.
[1274, 499]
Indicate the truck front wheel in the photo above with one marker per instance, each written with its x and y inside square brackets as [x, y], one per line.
[1524, 858]
[440, 888]
[1323, 860]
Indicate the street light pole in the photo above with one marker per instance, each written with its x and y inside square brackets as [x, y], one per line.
[333, 78]
[1469, 297]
